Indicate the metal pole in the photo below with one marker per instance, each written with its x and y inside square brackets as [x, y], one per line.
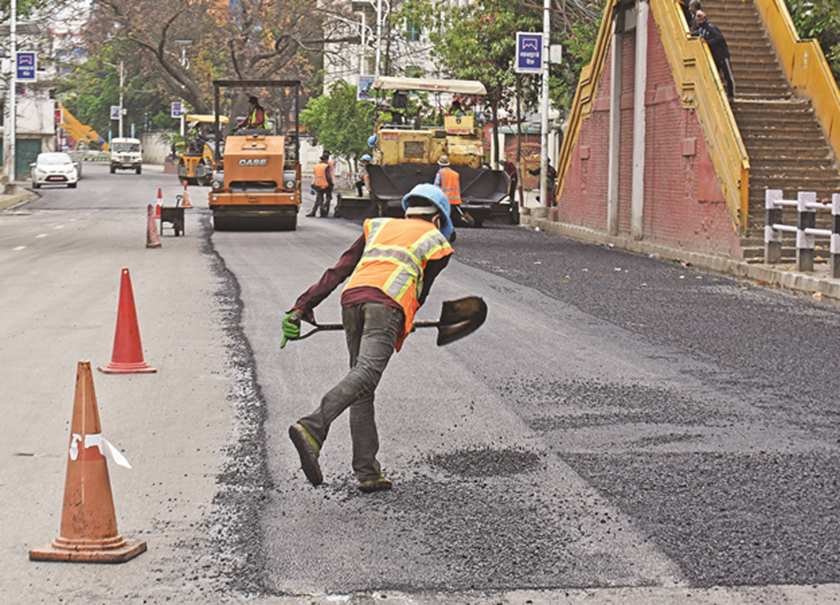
[183, 63]
[122, 75]
[544, 120]
[9, 132]
[363, 53]
[378, 34]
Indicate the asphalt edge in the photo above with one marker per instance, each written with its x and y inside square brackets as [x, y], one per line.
[827, 288]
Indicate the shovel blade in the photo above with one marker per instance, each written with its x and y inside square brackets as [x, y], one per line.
[459, 318]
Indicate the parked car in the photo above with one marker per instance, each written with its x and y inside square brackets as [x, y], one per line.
[54, 168]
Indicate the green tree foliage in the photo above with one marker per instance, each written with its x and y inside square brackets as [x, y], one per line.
[93, 87]
[478, 42]
[819, 19]
[23, 9]
[339, 122]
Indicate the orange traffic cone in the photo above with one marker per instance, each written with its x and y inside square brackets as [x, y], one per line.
[186, 197]
[152, 237]
[128, 352]
[159, 203]
[88, 521]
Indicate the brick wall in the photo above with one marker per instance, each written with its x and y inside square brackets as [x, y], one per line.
[683, 201]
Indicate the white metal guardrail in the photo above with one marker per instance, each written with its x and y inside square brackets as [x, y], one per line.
[807, 207]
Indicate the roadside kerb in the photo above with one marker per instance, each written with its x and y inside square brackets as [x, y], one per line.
[812, 282]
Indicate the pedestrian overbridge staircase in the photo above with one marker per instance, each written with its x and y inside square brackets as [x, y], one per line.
[781, 132]
[786, 144]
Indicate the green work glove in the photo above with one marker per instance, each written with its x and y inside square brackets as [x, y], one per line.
[291, 327]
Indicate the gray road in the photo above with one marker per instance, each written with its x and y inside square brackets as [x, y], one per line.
[620, 429]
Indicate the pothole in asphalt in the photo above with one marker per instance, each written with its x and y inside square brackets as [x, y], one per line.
[487, 462]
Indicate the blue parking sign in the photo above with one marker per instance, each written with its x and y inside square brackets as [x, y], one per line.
[25, 63]
[529, 53]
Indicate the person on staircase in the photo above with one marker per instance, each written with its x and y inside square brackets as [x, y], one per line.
[711, 35]
[693, 7]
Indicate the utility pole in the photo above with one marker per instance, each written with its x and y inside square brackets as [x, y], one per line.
[122, 77]
[544, 117]
[9, 132]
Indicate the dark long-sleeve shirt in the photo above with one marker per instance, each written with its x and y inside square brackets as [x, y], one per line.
[334, 276]
[712, 35]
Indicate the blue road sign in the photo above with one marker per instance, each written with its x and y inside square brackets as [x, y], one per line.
[26, 67]
[529, 53]
[177, 109]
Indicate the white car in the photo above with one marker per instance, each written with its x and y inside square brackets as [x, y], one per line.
[54, 168]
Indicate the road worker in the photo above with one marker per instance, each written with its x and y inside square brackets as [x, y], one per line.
[322, 183]
[391, 267]
[255, 117]
[450, 182]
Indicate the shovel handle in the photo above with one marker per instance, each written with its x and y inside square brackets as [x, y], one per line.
[328, 327]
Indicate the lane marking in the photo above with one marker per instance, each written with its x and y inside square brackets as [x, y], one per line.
[59, 227]
[41, 235]
[18, 248]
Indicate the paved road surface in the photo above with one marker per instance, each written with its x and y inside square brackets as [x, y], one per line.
[620, 430]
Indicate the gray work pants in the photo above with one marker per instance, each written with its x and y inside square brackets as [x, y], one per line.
[371, 330]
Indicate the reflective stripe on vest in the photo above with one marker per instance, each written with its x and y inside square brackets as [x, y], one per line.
[450, 182]
[395, 256]
[321, 179]
[252, 119]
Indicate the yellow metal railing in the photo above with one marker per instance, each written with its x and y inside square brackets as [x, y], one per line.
[700, 88]
[590, 78]
[805, 67]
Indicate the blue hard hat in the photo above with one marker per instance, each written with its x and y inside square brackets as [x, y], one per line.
[435, 195]
[372, 140]
[367, 158]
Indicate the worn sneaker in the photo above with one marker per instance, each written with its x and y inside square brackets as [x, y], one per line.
[308, 449]
[375, 485]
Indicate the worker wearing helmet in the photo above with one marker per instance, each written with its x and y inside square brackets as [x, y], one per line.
[322, 185]
[450, 182]
[360, 182]
[391, 268]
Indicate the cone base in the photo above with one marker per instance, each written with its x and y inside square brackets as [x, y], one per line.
[116, 367]
[54, 551]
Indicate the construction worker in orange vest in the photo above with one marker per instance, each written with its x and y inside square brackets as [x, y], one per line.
[328, 193]
[322, 183]
[450, 181]
[255, 117]
[391, 268]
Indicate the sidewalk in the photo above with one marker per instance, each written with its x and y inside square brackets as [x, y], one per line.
[818, 284]
[19, 196]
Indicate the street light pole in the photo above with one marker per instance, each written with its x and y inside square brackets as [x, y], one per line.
[544, 117]
[184, 43]
[122, 77]
[9, 133]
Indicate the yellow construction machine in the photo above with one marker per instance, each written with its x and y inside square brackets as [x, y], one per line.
[405, 155]
[195, 162]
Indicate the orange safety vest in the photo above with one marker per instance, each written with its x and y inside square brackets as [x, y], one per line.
[450, 182]
[394, 260]
[321, 178]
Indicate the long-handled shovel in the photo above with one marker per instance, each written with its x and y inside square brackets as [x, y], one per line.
[457, 319]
